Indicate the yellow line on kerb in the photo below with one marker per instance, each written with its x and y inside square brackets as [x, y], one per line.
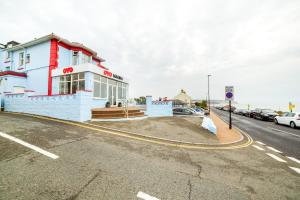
[155, 141]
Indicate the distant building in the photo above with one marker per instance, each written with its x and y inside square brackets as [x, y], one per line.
[183, 97]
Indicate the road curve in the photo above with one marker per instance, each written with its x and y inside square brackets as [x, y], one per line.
[283, 138]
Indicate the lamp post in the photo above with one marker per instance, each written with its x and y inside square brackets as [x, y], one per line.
[208, 98]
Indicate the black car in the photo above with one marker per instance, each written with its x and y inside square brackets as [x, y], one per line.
[264, 114]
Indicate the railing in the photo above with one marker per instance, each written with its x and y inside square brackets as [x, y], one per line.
[125, 107]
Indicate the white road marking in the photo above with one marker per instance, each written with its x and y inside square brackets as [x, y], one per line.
[284, 132]
[295, 169]
[273, 149]
[46, 153]
[294, 159]
[257, 147]
[276, 157]
[145, 196]
[260, 143]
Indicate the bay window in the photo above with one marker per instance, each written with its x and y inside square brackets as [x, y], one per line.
[100, 86]
[69, 84]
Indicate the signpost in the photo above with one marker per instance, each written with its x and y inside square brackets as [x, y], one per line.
[229, 96]
[291, 106]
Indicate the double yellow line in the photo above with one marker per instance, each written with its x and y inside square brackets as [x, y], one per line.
[154, 140]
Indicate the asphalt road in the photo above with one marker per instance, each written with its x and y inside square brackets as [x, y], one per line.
[96, 165]
[280, 137]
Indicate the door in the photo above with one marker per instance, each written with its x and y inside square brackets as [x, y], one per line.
[112, 94]
[283, 119]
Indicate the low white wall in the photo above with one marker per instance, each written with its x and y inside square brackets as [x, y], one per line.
[75, 107]
[158, 108]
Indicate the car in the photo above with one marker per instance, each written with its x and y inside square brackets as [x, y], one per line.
[264, 114]
[291, 119]
[183, 111]
[250, 113]
[202, 110]
[197, 111]
[240, 111]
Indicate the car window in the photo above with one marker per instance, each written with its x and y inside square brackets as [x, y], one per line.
[292, 114]
[285, 115]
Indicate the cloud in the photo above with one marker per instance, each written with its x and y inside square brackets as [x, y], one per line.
[163, 46]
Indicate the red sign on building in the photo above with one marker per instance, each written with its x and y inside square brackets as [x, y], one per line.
[68, 70]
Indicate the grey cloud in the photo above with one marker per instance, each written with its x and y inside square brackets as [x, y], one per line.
[163, 46]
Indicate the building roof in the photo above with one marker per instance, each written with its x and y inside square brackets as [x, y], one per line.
[60, 39]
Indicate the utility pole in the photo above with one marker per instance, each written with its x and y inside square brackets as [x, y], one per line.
[208, 98]
[230, 121]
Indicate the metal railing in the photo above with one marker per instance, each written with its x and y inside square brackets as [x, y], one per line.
[125, 107]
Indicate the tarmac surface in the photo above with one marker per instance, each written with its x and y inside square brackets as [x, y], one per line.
[280, 137]
[187, 129]
[96, 165]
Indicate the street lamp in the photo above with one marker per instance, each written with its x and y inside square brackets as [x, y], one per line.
[208, 98]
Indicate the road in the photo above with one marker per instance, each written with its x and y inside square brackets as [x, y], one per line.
[282, 138]
[68, 162]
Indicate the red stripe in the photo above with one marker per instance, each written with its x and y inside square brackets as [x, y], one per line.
[53, 63]
[69, 47]
[13, 73]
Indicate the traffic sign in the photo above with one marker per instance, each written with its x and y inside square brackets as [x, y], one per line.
[229, 93]
[291, 106]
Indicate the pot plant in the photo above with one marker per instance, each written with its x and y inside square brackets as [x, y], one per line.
[107, 105]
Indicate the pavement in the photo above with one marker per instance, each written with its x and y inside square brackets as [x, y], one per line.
[96, 165]
[186, 129]
[224, 134]
[282, 138]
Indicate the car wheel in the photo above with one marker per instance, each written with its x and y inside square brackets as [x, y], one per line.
[293, 125]
[275, 120]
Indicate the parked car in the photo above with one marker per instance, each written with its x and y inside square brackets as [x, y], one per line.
[240, 111]
[201, 110]
[197, 112]
[226, 108]
[250, 113]
[183, 111]
[264, 114]
[291, 119]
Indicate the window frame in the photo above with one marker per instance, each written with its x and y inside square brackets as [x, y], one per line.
[73, 57]
[27, 58]
[70, 83]
[21, 58]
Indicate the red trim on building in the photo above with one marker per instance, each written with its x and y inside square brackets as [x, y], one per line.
[69, 47]
[97, 60]
[12, 73]
[53, 63]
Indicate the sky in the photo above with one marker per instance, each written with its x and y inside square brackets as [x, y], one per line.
[165, 46]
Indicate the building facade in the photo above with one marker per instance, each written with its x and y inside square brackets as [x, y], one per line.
[53, 66]
[183, 97]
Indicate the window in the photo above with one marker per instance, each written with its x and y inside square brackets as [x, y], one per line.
[100, 86]
[124, 89]
[7, 68]
[120, 90]
[85, 58]
[18, 89]
[103, 87]
[21, 58]
[71, 83]
[75, 57]
[7, 55]
[27, 60]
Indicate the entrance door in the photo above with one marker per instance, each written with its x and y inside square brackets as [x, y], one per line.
[112, 94]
